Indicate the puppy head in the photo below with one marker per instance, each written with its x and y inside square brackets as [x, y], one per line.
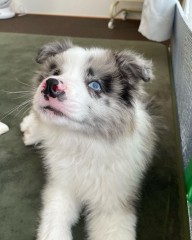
[90, 90]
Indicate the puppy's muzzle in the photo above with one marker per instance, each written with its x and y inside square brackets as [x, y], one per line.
[52, 88]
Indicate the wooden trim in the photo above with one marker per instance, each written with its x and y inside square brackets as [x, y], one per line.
[65, 15]
[72, 27]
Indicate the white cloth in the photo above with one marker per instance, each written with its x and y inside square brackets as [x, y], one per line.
[3, 128]
[157, 19]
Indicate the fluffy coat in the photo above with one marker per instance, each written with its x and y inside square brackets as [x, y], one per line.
[96, 144]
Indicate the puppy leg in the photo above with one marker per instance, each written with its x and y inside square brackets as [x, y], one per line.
[60, 212]
[30, 128]
[112, 225]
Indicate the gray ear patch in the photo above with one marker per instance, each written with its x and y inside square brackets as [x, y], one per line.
[51, 49]
[140, 68]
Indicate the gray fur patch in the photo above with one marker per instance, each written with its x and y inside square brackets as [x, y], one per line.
[51, 49]
[119, 73]
[132, 63]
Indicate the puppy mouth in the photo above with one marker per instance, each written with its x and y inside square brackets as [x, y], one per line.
[55, 111]
[61, 114]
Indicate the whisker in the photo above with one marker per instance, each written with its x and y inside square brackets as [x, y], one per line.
[14, 109]
[22, 83]
[18, 92]
[25, 84]
[25, 111]
[22, 108]
[23, 96]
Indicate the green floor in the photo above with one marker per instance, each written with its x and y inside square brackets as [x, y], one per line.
[161, 209]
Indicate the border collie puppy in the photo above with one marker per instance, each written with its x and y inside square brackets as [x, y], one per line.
[90, 116]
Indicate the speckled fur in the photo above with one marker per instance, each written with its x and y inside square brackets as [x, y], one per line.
[97, 153]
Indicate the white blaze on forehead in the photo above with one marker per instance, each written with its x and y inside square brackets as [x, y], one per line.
[77, 58]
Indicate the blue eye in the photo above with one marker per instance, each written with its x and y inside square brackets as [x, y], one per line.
[95, 86]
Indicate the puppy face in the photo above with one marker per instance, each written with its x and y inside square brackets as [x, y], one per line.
[89, 90]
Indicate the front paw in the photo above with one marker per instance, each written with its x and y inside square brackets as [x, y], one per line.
[53, 234]
[28, 127]
[28, 138]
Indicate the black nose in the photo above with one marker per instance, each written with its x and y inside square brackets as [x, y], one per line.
[51, 88]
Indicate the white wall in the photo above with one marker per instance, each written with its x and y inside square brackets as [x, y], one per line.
[85, 8]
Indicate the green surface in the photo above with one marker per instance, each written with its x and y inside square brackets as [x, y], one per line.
[21, 173]
[188, 180]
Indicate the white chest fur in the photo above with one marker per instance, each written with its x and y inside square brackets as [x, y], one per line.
[93, 168]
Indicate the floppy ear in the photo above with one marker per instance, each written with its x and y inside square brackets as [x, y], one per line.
[134, 64]
[51, 49]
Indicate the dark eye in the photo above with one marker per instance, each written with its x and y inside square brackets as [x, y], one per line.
[56, 72]
[96, 86]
